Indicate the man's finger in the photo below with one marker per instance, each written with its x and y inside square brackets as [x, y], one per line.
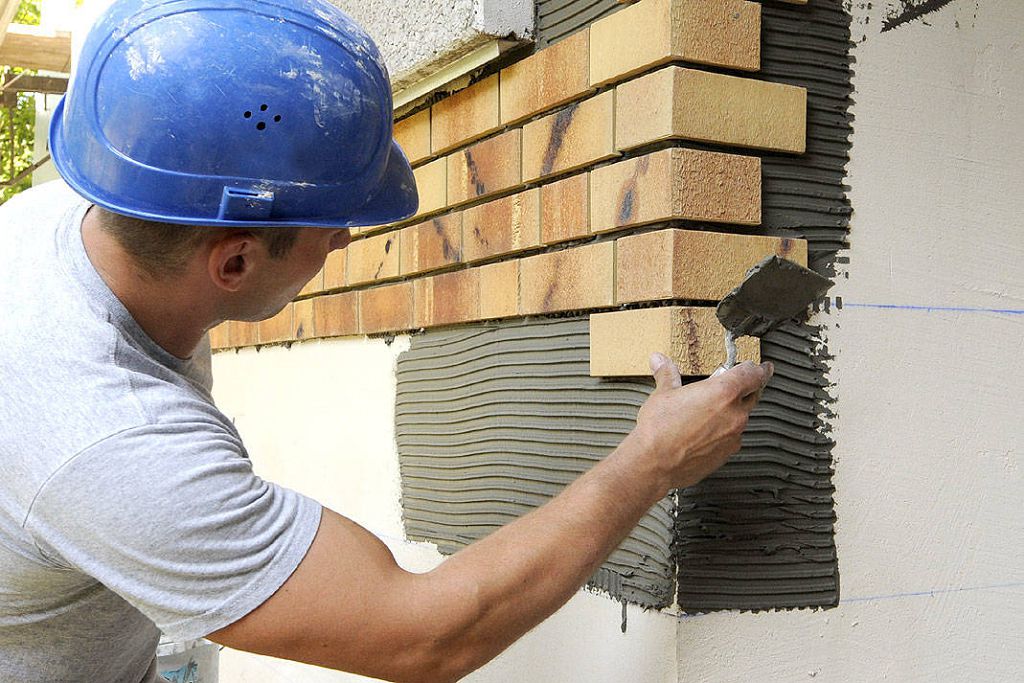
[748, 378]
[666, 374]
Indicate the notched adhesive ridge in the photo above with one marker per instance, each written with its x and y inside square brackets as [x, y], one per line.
[494, 420]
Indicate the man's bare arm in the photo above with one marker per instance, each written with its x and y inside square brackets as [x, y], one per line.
[350, 607]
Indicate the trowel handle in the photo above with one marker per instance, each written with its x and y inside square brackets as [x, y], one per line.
[730, 354]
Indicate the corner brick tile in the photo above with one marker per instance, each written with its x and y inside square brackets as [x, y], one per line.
[622, 342]
[654, 32]
[685, 264]
[677, 103]
[676, 184]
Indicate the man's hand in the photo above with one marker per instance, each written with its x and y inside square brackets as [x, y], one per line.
[689, 432]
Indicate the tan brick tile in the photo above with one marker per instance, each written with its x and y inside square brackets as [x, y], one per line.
[676, 184]
[554, 76]
[336, 269]
[336, 315]
[277, 329]
[304, 320]
[386, 309]
[686, 264]
[502, 226]
[565, 209]
[220, 337]
[372, 259]
[499, 290]
[622, 342]
[654, 32]
[485, 168]
[413, 134]
[431, 245]
[465, 116]
[243, 334]
[432, 184]
[576, 136]
[447, 299]
[567, 280]
[315, 285]
[677, 103]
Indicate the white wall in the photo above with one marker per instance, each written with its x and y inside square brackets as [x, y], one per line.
[929, 484]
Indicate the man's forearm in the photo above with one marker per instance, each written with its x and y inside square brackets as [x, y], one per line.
[521, 574]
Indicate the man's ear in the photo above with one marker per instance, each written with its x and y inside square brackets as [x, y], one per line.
[232, 259]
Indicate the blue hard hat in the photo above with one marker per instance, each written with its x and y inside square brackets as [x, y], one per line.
[245, 113]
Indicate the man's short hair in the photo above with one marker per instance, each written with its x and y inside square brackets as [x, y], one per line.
[163, 249]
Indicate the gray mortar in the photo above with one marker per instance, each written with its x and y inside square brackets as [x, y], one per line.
[759, 533]
[493, 421]
[558, 19]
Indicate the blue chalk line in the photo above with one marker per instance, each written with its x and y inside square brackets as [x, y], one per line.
[931, 593]
[890, 596]
[933, 309]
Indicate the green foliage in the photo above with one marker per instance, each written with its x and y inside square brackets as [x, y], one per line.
[28, 13]
[24, 120]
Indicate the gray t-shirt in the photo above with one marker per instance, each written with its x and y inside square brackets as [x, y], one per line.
[127, 500]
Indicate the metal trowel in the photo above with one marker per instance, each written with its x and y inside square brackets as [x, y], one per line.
[773, 292]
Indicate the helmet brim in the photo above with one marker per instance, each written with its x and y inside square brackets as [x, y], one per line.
[396, 197]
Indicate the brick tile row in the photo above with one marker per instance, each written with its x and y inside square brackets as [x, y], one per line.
[673, 103]
[669, 264]
[668, 185]
[650, 33]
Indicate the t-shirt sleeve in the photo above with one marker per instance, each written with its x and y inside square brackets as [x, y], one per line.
[172, 518]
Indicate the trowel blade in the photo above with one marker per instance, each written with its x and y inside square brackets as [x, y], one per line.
[774, 291]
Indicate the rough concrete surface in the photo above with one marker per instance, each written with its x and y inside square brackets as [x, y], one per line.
[417, 37]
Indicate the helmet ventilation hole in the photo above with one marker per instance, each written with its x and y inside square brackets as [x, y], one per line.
[262, 125]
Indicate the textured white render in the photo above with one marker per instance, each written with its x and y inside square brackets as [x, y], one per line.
[418, 37]
[929, 426]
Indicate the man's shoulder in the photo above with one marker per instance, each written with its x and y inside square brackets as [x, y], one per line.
[51, 198]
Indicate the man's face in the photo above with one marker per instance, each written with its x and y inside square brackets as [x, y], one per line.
[282, 279]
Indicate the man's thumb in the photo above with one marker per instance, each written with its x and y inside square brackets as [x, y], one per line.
[666, 374]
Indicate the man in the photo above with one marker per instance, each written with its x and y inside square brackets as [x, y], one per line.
[217, 157]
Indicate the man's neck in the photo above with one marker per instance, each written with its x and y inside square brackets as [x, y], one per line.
[169, 311]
